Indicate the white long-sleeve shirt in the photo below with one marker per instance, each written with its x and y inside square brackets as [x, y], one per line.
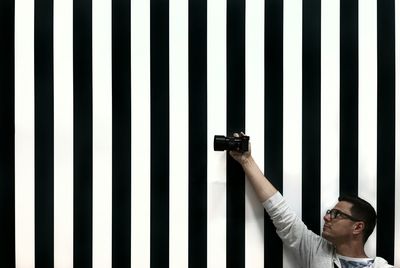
[310, 249]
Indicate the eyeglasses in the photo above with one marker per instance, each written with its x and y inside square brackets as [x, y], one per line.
[334, 213]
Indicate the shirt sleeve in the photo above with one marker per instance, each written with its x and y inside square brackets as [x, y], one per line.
[293, 232]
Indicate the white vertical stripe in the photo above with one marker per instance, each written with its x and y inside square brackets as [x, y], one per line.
[397, 157]
[292, 103]
[330, 47]
[292, 110]
[102, 134]
[254, 239]
[63, 134]
[367, 122]
[24, 134]
[179, 215]
[216, 113]
[140, 51]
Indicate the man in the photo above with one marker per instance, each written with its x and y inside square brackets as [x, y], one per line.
[346, 229]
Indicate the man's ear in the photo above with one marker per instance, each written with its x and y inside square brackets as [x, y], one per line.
[358, 227]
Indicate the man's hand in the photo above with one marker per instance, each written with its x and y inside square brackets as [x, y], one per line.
[242, 158]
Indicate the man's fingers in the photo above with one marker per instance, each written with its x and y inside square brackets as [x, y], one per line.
[237, 135]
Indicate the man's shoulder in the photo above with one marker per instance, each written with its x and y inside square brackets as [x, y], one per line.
[382, 263]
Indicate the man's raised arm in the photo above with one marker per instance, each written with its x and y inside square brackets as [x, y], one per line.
[262, 186]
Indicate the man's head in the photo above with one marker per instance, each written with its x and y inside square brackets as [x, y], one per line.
[351, 219]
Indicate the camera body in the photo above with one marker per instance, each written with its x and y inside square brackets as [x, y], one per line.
[238, 144]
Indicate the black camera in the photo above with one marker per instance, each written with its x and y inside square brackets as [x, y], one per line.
[238, 144]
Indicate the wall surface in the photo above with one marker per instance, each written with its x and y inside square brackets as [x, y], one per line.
[108, 110]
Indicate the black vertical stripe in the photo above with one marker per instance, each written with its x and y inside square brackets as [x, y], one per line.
[44, 134]
[311, 145]
[159, 76]
[83, 130]
[273, 119]
[386, 130]
[7, 140]
[197, 133]
[121, 133]
[348, 97]
[235, 123]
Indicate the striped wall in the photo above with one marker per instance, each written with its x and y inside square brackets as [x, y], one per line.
[108, 109]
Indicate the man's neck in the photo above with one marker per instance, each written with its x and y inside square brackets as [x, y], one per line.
[352, 249]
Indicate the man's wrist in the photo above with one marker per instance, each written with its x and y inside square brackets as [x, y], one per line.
[247, 162]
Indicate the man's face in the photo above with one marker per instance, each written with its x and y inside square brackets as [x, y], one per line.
[339, 229]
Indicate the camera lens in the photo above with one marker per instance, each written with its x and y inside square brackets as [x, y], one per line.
[220, 143]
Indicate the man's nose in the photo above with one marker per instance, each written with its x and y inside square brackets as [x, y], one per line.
[327, 217]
